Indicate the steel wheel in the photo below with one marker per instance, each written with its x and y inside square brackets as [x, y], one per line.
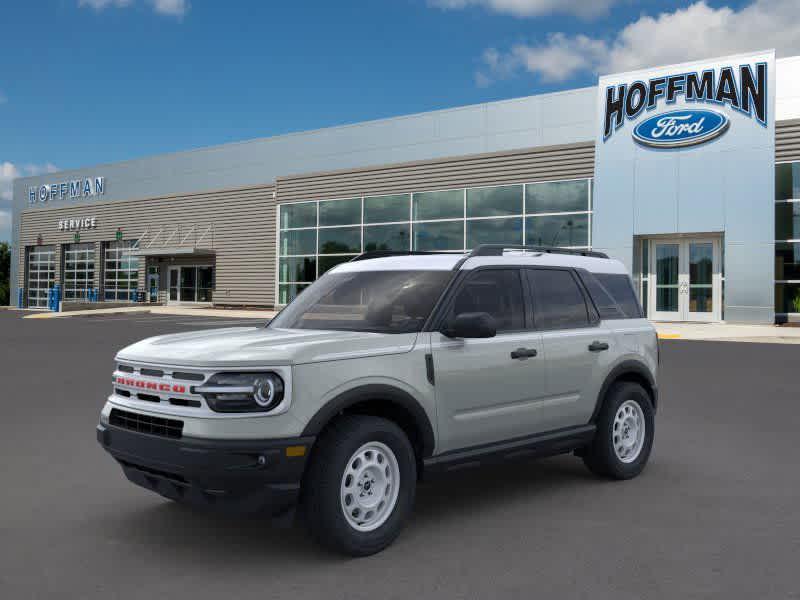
[629, 431]
[370, 486]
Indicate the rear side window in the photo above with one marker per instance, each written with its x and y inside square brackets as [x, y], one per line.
[558, 301]
[497, 292]
[620, 287]
[606, 306]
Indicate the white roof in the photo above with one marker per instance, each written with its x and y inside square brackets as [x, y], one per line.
[446, 262]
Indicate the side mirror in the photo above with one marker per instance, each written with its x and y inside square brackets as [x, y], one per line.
[471, 325]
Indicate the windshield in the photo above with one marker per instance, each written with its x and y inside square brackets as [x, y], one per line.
[378, 301]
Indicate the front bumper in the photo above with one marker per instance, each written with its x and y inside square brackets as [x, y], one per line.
[239, 476]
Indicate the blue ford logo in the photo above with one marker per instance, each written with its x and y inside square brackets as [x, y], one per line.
[681, 128]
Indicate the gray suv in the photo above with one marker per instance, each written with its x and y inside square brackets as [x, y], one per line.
[389, 367]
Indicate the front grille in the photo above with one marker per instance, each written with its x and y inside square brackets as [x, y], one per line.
[170, 428]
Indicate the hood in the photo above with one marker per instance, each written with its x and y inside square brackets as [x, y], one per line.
[260, 346]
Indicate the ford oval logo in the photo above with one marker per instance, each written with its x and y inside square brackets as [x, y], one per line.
[681, 128]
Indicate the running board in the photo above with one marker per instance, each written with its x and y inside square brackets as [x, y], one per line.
[540, 445]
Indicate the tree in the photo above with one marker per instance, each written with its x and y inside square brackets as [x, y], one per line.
[5, 269]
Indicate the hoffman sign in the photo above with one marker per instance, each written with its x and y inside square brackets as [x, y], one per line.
[742, 88]
[73, 189]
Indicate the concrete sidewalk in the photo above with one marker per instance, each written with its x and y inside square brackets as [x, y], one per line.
[764, 334]
[160, 310]
[683, 331]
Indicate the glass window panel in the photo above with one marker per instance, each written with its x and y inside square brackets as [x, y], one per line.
[340, 212]
[386, 209]
[700, 299]
[667, 299]
[340, 240]
[494, 231]
[787, 181]
[496, 292]
[645, 291]
[787, 260]
[387, 237]
[303, 214]
[439, 205]
[667, 264]
[328, 262]
[494, 201]
[787, 220]
[439, 236]
[558, 300]
[557, 230]
[298, 269]
[700, 263]
[288, 292]
[557, 196]
[303, 241]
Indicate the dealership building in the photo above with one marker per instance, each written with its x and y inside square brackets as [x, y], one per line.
[689, 174]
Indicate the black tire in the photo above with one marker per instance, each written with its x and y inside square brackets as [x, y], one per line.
[321, 503]
[600, 456]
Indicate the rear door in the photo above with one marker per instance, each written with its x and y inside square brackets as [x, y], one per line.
[488, 390]
[577, 348]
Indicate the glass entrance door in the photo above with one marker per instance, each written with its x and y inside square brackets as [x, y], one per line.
[699, 287]
[687, 282]
[666, 305]
[191, 284]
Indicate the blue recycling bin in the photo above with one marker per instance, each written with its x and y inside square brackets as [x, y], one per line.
[54, 297]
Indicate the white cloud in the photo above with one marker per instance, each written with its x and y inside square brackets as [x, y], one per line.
[695, 32]
[172, 8]
[531, 8]
[8, 172]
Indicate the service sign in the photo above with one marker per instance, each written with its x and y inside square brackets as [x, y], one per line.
[687, 106]
[77, 224]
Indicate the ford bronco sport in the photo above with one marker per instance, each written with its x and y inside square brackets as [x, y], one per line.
[388, 367]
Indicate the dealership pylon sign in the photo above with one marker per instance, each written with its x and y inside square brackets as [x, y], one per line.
[687, 105]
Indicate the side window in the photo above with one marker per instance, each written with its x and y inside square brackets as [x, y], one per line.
[621, 289]
[497, 292]
[606, 306]
[558, 301]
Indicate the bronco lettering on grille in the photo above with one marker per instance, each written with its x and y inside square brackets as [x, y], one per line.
[151, 385]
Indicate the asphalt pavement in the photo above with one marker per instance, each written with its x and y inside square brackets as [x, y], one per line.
[716, 514]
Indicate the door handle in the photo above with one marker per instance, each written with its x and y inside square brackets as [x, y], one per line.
[598, 346]
[523, 353]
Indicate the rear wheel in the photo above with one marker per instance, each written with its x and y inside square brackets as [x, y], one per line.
[625, 431]
[360, 486]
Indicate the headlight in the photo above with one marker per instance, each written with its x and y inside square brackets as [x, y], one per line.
[242, 392]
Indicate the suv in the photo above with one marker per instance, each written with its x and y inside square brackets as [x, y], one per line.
[387, 367]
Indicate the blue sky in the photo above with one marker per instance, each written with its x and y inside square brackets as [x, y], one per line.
[92, 81]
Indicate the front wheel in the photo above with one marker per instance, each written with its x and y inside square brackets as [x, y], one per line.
[625, 431]
[360, 486]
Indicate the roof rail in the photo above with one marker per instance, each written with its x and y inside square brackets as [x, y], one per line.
[498, 249]
[386, 253]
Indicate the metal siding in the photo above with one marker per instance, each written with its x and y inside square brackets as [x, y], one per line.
[787, 141]
[571, 161]
[243, 223]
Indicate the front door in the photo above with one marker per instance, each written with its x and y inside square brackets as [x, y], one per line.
[687, 282]
[486, 389]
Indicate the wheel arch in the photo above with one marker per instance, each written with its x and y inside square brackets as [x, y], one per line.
[629, 370]
[385, 401]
